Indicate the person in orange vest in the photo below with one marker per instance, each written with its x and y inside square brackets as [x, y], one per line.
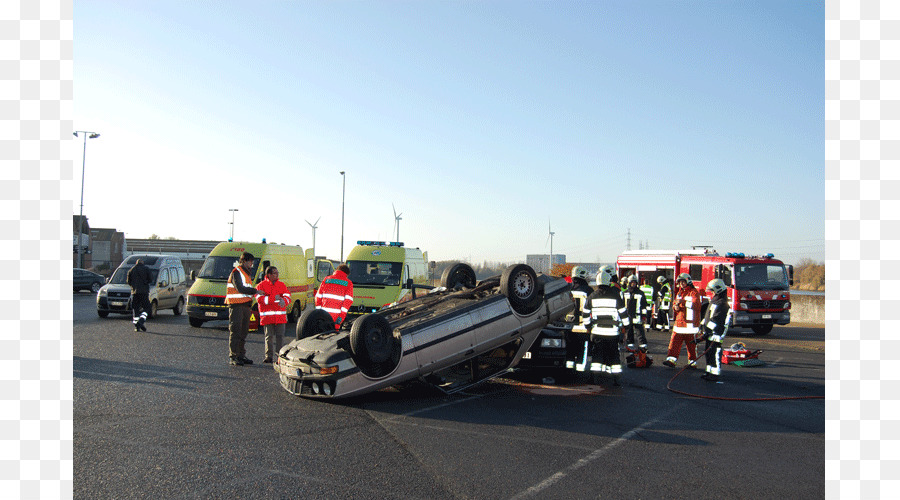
[335, 295]
[238, 296]
[272, 297]
[687, 321]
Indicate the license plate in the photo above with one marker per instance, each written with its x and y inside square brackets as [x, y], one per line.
[117, 304]
[766, 316]
[212, 314]
[527, 355]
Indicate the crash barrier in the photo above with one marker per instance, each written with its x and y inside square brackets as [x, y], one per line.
[807, 308]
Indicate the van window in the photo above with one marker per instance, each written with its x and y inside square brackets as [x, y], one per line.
[325, 269]
[696, 272]
[218, 268]
[180, 274]
[120, 277]
[163, 276]
[363, 272]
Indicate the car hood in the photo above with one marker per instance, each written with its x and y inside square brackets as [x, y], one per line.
[115, 288]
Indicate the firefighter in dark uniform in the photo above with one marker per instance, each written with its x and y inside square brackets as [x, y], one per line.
[713, 328]
[577, 337]
[663, 303]
[606, 312]
[637, 309]
[139, 279]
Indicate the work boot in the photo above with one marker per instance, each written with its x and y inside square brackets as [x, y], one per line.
[267, 360]
[236, 361]
[245, 360]
[709, 377]
[669, 362]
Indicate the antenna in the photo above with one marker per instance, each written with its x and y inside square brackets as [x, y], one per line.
[314, 226]
[397, 219]
[550, 239]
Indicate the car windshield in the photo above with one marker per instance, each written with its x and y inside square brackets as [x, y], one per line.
[364, 272]
[761, 276]
[120, 277]
[218, 268]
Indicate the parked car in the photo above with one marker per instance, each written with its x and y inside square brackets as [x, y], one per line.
[82, 279]
[455, 336]
[168, 286]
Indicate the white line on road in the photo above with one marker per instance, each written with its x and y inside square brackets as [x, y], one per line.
[550, 481]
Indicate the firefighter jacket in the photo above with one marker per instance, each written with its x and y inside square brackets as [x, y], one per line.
[607, 311]
[636, 305]
[580, 292]
[715, 322]
[239, 290]
[270, 313]
[139, 278]
[335, 295]
[687, 310]
[664, 296]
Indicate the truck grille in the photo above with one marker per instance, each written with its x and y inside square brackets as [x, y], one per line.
[205, 300]
[119, 295]
[765, 304]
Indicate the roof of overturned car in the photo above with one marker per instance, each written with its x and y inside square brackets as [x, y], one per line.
[479, 329]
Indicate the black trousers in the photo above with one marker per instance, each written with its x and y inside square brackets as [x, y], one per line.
[140, 307]
[641, 334]
[238, 326]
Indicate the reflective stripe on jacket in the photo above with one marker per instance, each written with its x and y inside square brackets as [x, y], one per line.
[269, 311]
[232, 295]
[687, 311]
[335, 295]
[607, 311]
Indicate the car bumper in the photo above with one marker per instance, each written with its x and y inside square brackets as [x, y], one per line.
[748, 319]
[207, 313]
[114, 305]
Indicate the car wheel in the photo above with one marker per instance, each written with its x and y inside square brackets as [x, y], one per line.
[102, 314]
[179, 307]
[95, 287]
[313, 322]
[762, 329]
[195, 322]
[520, 286]
[376, 350]
[458, 274]
[295, 314]
[152, 312]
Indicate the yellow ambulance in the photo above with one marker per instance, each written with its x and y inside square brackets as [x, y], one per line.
[384, 273]
[300, 271]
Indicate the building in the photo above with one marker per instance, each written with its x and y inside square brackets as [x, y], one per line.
[107, 250]
[540, 262]
[191, 252]
[83, 259]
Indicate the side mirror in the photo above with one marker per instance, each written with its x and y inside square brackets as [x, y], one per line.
[193, 275]
[408, 284]
[790, 275]
[163, 284]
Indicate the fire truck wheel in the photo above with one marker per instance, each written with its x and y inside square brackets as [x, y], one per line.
[458, 274]
[762, 329]
[313, 322]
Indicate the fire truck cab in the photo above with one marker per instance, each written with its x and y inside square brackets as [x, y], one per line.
[758, 286]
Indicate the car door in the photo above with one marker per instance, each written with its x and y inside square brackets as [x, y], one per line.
[165, 292]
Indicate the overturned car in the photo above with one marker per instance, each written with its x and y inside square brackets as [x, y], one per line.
[452, 337]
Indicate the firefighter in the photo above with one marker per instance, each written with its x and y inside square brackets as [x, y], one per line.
[605, 324]
[238, 296]
[578, 337]
[335, 295]
[687, 321]
[637, 309]
[647, 290]
[663, 303]
[714, 327]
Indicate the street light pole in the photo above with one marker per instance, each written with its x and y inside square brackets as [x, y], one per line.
[87, 135]
[232, 210]
[343, 194]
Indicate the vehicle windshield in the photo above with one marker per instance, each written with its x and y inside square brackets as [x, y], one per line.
[120, 277]
[761, 276]
[218, 268]
[364, 272]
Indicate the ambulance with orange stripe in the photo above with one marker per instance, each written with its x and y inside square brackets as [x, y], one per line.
[300, 271]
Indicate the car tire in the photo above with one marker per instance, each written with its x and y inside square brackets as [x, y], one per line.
[102, 314]
[153, 310]
[95, 286]
[313, 322]
[179, 307]
[195, 322]
[295, 314]
[521, 287]
[376, 349]
[762, 329]
[458, 274]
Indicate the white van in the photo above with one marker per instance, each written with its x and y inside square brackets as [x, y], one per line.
[168, 288]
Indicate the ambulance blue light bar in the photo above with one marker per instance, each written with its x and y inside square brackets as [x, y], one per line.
[396, 244]
[380, 243]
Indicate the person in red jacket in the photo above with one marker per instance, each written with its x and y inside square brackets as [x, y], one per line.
[272, 297]
[335, 295]
[687, 321]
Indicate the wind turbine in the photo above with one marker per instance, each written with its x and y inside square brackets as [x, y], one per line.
[550, 239]
[314, 226]
[396, 222]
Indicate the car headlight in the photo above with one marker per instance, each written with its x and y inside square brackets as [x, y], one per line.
[102, 292]
[553, 343]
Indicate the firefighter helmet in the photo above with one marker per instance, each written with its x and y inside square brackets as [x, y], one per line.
[632, 279]
[605, 275]
[717, 286]
[686, 277]
[579, 272]
[660, 279]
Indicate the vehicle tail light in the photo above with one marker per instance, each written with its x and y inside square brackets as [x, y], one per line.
[328, 370]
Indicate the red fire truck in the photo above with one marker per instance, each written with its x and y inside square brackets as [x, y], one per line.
[758, 286]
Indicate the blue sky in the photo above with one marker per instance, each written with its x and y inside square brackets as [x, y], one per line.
[482, 122]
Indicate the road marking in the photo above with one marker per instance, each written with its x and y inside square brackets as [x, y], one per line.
[775, 362]
[550, 481]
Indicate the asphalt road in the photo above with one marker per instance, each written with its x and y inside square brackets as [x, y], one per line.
[162, 414]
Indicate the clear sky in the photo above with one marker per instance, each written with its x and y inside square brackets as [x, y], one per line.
[687, 123]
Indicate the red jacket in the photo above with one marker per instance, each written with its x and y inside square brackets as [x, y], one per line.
[335, 296]
[687, 310]
[270, 313]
